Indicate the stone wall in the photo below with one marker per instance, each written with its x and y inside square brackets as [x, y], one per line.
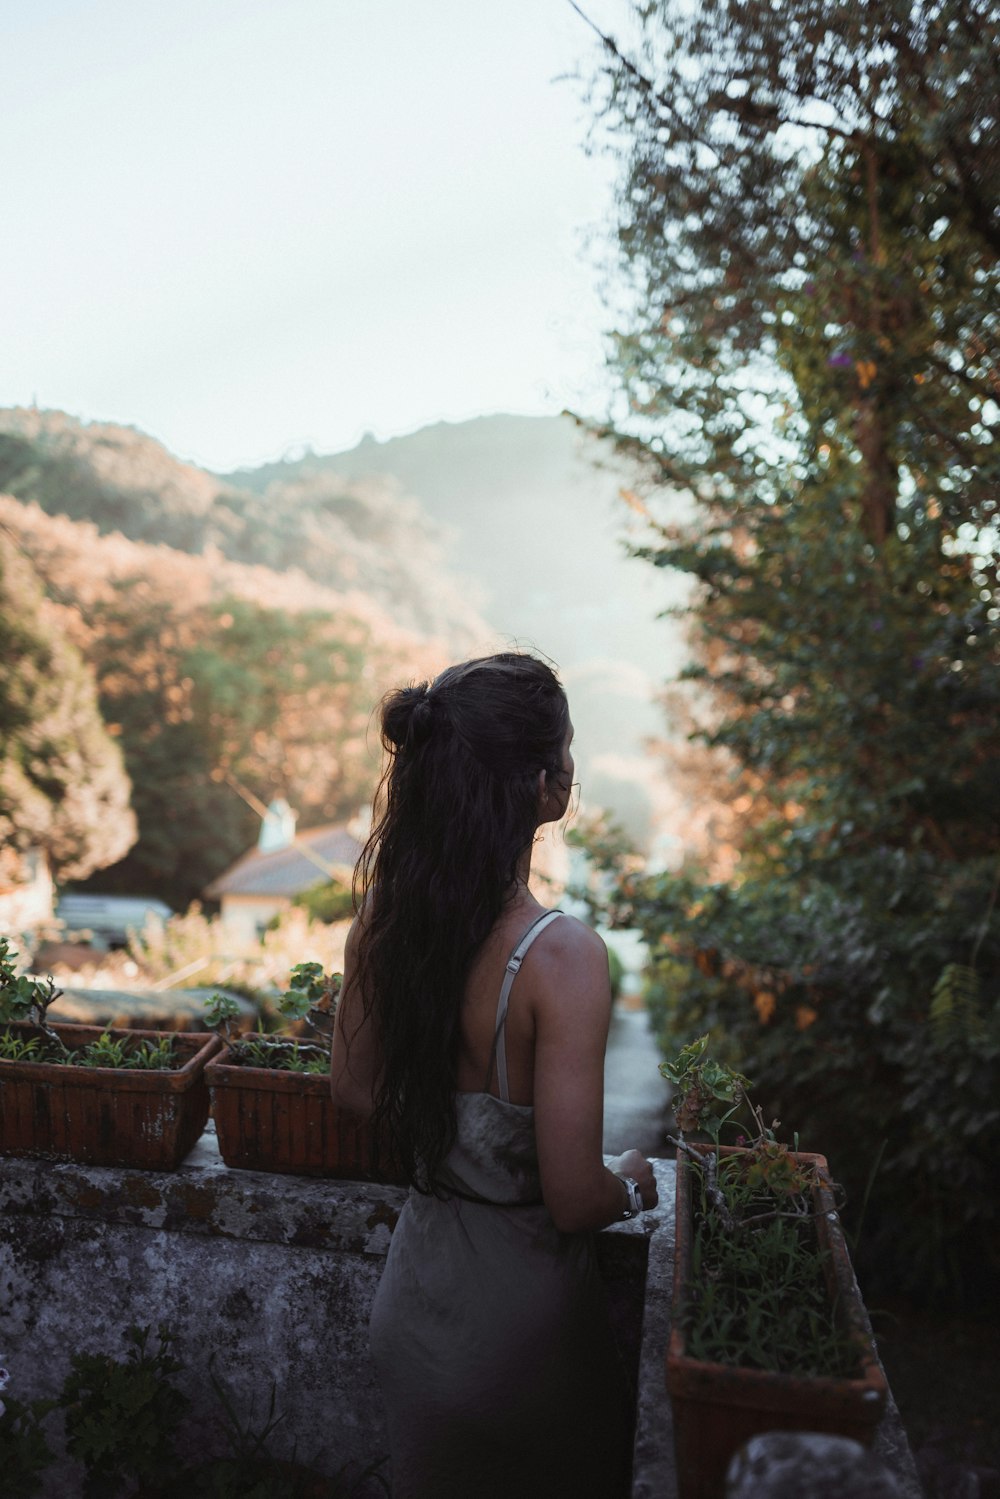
[268, 1282]
[270, 1277]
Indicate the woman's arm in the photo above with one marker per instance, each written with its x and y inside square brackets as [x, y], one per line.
[571, 1003]
[354, 1061]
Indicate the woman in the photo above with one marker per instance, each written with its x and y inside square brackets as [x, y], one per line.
[472, 1027]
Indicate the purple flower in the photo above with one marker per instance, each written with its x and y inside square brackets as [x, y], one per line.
[840, 361]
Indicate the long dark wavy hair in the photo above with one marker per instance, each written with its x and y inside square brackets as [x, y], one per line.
[456, 808]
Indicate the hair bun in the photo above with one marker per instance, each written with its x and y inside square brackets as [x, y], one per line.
[408, 717]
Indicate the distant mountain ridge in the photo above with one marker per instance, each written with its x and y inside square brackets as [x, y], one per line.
[348, 536]
[528, 508]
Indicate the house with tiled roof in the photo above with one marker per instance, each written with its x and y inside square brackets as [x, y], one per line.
[284, 864]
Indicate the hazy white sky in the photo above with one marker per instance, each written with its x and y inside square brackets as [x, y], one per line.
[246, 225]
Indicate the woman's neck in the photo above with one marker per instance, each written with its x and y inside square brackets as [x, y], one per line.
[520, 893]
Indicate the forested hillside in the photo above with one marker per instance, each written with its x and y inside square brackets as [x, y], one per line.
[210, 674]
[531, 509]
[343, 534]
[214, 670]
[476, 535]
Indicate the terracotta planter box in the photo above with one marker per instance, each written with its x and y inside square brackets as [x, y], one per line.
[105, 1116]
[718, 1407]
[268, 1119]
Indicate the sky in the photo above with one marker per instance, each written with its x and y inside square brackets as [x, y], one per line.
[252, 226]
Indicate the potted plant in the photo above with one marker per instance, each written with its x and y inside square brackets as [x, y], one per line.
[769, 1331]
[271, 1093]
[101, 1097]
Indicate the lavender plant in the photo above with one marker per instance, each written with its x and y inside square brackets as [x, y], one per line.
[758, 1295]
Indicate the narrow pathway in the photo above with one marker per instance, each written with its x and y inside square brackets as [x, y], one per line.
[635, 1095]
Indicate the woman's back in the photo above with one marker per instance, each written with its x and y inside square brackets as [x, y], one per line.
[478, 1016]
[489, 1329]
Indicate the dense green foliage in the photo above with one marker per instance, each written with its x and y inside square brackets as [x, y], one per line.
[810, 237]
[328, 901]
[756, 1292]
[63, 788]
[759, 1299]
[122, 1416]
[233, 694]
[24, 1451]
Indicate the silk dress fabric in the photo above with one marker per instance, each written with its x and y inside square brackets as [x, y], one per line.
[490, 1331]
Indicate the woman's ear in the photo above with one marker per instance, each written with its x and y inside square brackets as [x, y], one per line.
[551, 801]
[548, 802]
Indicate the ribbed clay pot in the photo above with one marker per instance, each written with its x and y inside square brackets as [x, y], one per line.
[270, 1119]
[105, 1116]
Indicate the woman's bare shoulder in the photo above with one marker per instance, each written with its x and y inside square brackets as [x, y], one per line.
[569, 946]
[573, 931]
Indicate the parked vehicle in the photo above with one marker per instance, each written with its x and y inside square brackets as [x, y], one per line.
[109, 918]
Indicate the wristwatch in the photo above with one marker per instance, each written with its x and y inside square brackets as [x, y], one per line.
[632, 1193]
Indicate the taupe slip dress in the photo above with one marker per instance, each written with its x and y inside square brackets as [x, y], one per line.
[490, 1330]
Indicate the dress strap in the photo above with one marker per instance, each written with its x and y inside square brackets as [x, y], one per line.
[498, 1052]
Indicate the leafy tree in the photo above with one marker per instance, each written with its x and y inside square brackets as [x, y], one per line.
[208, 691]
[810, 245]
[228, 695]
[63, 787]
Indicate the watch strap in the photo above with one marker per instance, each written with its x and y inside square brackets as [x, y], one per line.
[634, 1196]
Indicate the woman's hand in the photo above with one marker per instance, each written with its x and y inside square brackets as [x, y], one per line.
[634, 1164]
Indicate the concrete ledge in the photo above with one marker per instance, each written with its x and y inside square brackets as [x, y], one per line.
[269, 1280]
[271, 1277]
